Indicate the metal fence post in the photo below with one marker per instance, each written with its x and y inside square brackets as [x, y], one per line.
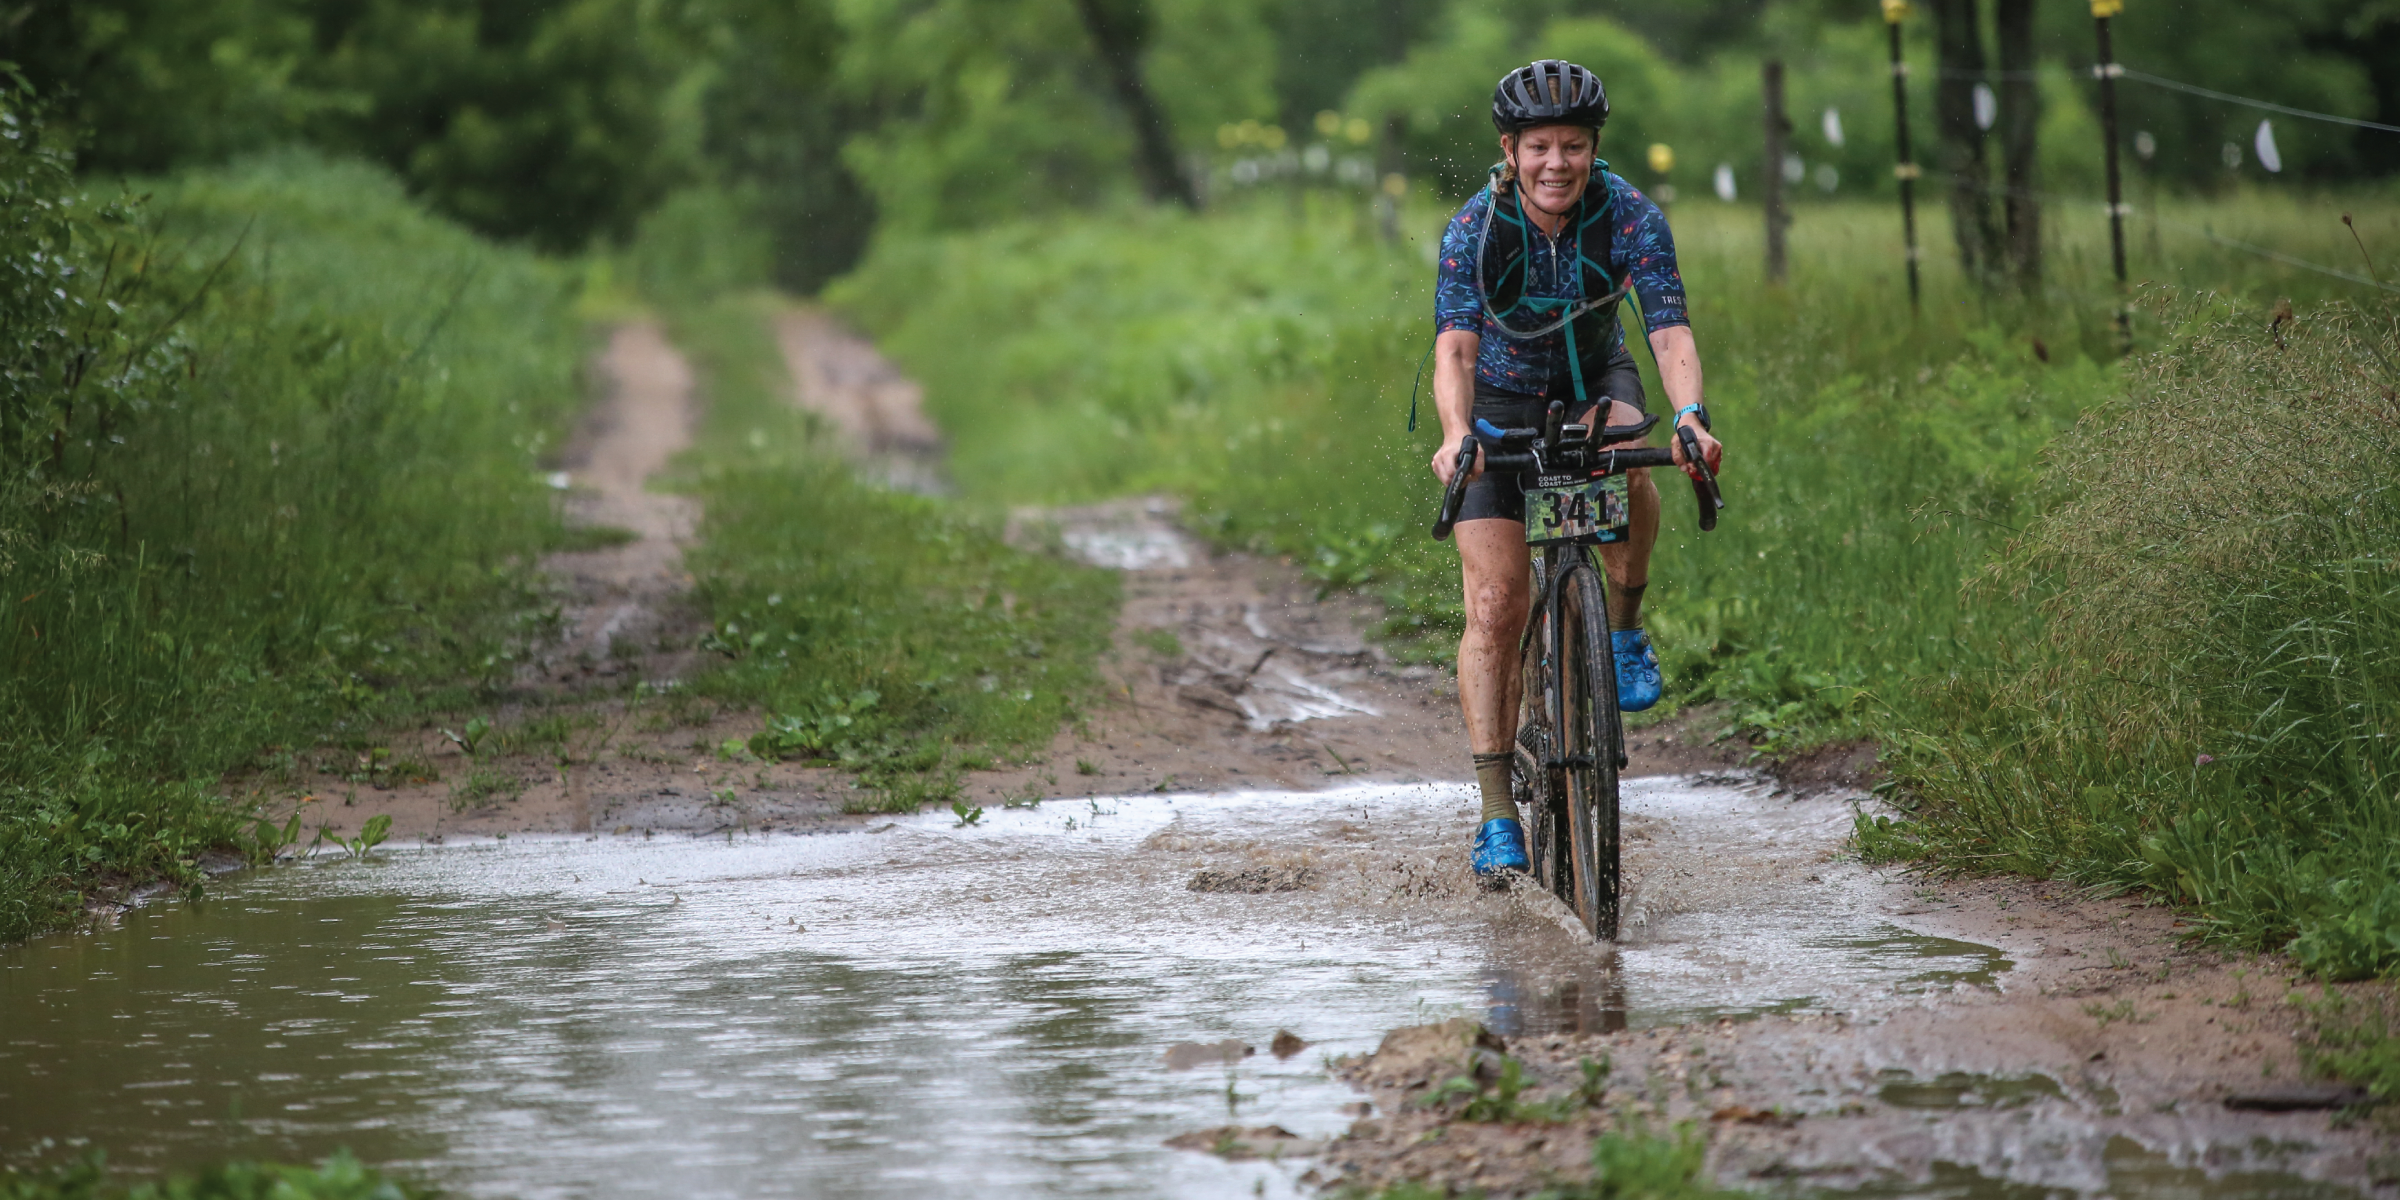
[1778, 129]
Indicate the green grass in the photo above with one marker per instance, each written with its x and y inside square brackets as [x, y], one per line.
[340, 1177]
[292, 493]
[894, 634]
[2355, 1037]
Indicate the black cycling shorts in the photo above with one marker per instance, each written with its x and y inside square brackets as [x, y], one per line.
[1499, 496]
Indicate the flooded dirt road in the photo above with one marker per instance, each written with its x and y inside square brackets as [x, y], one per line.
[626, 975]
[922, 1008]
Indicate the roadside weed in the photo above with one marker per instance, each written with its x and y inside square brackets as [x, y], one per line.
[483, 785]
[340, 1177]
[2354, 1037]
[1162, 644]
[471, 739]
[1502, 1099]
[377, 829]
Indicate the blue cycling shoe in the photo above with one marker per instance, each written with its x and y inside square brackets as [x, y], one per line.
[1500, 846]
[1638, 685]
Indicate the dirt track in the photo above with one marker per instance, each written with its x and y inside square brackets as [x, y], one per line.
[1214, 654]
[1228, 673]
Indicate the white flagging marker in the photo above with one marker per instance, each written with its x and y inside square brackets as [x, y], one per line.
[2264, 143]
[1725, 190]
[1833, 127]
[1987, 106]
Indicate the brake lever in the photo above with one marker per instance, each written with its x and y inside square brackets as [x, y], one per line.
[1692, 455]
[1704, 488]
[1454, 494]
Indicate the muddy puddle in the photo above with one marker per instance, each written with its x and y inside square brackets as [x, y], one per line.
[923, 1007]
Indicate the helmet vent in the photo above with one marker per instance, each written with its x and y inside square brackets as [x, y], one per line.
[1549, 92]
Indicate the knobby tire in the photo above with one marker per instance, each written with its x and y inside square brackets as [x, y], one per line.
[1570, 713]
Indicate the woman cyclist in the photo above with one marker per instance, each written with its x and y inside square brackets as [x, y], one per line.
[1526, 311]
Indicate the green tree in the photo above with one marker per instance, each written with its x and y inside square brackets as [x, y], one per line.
[523, 118]
[148, 84]
[1120, 30]
[983, 108]
[776, 122]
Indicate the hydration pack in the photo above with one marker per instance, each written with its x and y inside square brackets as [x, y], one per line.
[1501, 268]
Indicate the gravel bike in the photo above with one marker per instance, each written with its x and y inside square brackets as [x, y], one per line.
[1570, 736]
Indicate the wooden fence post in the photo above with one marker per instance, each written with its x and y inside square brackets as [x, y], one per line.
[2107, 70]
[1778, 131]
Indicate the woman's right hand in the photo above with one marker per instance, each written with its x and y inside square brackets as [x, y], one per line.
[1445, 460]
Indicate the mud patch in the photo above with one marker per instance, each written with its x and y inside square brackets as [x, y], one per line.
[878, 411]
[625, 607]
[1237, 1144]
[1228, 671]
[1186, 1056]
[1256, 881]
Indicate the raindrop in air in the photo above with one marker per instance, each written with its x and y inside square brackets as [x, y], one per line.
[1987, 106]
[2264, 142]
[1725, 190]
[1827, 178]
[2145, 145]
[1793, 169]
[2232, 155]
[1833, 127]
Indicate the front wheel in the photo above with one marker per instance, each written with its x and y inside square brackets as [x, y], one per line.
[1589, 735]
[1541, 789]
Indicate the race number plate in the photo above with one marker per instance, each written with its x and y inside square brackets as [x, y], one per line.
[1575, 508]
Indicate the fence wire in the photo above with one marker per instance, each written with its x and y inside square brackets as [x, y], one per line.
[2152, 215]
[2269, 105]
[2176, 85]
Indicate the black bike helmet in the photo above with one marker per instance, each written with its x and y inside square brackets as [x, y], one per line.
[1550, 92]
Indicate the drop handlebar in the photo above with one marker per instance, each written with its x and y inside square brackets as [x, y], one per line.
[1611, 461]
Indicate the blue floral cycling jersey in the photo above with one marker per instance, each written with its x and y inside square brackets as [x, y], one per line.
[1641, 253]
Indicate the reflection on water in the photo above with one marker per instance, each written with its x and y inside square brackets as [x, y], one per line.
[1938, 958]
[918, 1010]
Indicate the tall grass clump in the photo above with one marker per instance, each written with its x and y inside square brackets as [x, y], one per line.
[267, 465]
[898, 635]
[2211, 705]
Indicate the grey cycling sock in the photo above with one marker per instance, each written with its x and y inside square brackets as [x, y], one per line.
[1625, 606]
[1491, 774]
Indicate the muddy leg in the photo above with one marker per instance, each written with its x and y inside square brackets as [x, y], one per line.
[1498, 579]
[1628, 562]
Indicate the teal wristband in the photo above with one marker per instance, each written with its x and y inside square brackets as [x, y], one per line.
[1689, 409]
